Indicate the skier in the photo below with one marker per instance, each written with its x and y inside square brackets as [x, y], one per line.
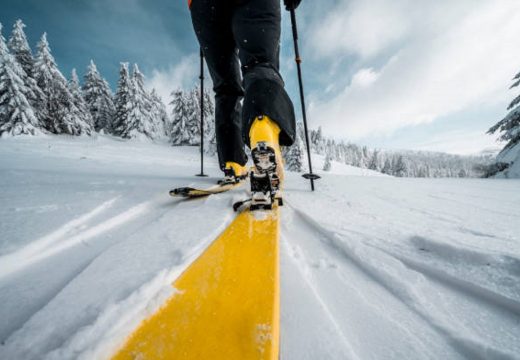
[249, 31]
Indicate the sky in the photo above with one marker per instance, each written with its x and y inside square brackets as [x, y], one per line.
[391, 74]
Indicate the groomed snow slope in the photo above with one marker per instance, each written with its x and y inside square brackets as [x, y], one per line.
[373, 267]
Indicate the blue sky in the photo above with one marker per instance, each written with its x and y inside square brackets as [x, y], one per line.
[412, 74]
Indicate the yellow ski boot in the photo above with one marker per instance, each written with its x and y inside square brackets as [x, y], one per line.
[267, 173]
[234, 173]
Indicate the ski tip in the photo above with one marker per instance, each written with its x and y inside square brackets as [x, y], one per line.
[240, 204]
[182, 191]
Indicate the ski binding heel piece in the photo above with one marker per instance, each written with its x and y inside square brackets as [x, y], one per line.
[264, 158]
[263, 193]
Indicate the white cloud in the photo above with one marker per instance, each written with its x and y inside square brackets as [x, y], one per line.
[454, 55]
[364, 78]
[184, 75]
[360, 26]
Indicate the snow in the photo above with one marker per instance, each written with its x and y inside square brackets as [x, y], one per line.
[371, 266]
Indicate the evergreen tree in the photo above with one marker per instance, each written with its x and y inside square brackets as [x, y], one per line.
[139, 122]
[373, 164]
[210, 136]
[186, 116]
[317, 141]
[99, 98]
[122, 100]
[79, 101]
[294, 155]
[509, 126]
[387, 167]
[328, 162]
[155, 109]
[364, 158]
[20, 49]
[159, 113]
[400, 168]
[63, 114]
[16, 114]
[180, 134]
[193, 123]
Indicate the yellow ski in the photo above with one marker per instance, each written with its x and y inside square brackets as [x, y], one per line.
[226, 304]
[189, 192]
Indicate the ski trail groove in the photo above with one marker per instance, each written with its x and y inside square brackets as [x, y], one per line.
[492, 298]
[322, 303]
[364, 305]
[14, 261]
[465, 345]
[51, 244]
[68, 271]
[43, 301]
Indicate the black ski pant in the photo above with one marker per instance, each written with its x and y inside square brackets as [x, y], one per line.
[249, 31]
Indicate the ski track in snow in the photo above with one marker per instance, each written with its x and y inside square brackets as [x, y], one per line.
[39, 254]
[58, 240]
[361, 301]
[372, 267]
[488, 304]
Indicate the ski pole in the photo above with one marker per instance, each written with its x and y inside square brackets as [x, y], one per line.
[310, 176]
[201, 77]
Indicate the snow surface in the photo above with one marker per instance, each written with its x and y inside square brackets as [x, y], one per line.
[373, 267]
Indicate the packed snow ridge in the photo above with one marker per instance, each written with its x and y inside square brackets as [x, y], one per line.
[372, 267]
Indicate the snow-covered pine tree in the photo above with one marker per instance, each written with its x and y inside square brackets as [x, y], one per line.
[317, 141]
[509, 127]
[139, 122]
[20, 49]
[180, 134]
[327, 165]
[365, 157]
[16, 114]
[63, 114]
[122, 100]
[99, 99]
[210, 136]
[387, 167]
[159, 113]
[294, 155]
[79, 101]
[193, 123]
[152, 127]
[373, 164]
[401, 168]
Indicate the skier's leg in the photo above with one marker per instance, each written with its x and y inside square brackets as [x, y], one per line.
[212, 23]
[256, 29]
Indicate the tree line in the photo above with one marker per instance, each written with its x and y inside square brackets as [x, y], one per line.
[36, 98]
[403, 163]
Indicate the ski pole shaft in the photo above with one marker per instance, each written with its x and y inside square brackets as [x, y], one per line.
[201, 77]
[298, 60]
